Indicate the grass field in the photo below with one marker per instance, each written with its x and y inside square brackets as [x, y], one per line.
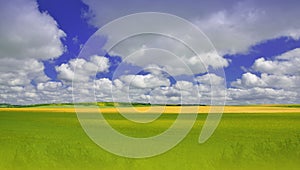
[248, 137]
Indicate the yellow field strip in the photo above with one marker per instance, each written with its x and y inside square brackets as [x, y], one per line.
[167, 109]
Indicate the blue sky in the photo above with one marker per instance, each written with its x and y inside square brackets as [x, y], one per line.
[257, 42]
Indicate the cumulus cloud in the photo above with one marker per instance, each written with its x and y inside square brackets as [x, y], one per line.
[151, 89]
[18, 80]
[249, 80]
[46, 92]
[23, 81]
[21, 72]
[257, 95]
[277, 80]
[27, 33]
[148, 89]
[210, 79]
[53, 92]
[145, 81]
[285, 64]
[81, 69]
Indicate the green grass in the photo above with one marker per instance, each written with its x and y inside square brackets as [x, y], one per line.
[241, 141]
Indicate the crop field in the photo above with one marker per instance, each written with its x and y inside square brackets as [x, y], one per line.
[248, 137]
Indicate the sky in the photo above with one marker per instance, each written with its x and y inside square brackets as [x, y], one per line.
[248, 52]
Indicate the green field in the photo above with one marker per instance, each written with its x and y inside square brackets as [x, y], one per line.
[52, 140]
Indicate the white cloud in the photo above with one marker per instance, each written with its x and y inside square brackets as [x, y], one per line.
[52, 86]
[149, 88]
[22, 81]
[27, 33]
[249, 80]
[146, 88]
[85, 70]
[278, 81]
[15, 72]
[257, 95]
[210, 79]
[161, 91]
[145, 81]
[185, 85]
[285, 64]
